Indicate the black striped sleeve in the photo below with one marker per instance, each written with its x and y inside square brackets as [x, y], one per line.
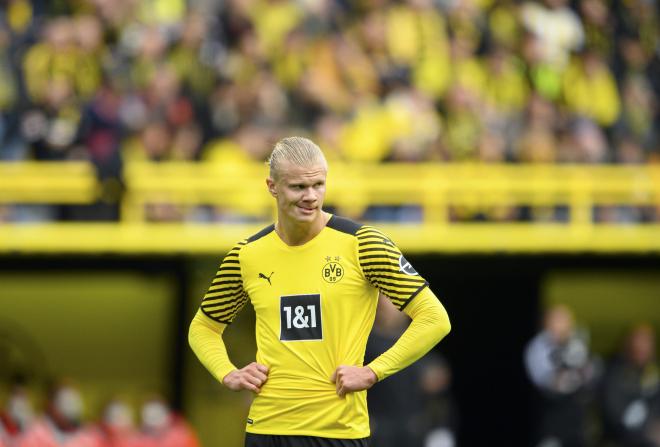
[226, 296]
[386, 268]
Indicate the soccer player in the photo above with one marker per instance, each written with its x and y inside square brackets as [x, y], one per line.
[313, 279]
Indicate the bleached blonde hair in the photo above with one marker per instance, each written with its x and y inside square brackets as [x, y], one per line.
[299, 151]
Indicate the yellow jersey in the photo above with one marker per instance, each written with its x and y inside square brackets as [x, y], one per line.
[315, 306]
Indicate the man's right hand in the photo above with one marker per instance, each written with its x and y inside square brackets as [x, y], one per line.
[251, 377]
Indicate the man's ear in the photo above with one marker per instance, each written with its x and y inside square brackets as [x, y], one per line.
[271, 186]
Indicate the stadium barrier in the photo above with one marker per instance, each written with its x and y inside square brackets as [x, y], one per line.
[437, 189]
[433, 187]
[48, 182]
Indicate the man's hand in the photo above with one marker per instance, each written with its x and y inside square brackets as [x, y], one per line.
[251, 377]
[353, 378]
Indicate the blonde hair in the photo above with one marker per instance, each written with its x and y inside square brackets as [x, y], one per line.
[299, 151]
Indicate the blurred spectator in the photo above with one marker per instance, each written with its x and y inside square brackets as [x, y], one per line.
[639, 101]
[414, 124]
[544, 77]
[463, 124]
[638, 18]
[162, 427]
[367, 137]
[538, 142]
[18, 416]
[503, 24]
[91, 52]
[165, 13]
[52, 59]
[585, 142]
[117, 427]
[560, 367]
[589, 89]
[437, 414]
[10, 148]
[556, 27]
[468, 73]
[416, 38]
[598, 27]
[630, 393]
[50, 128]
[506, 89]
[62, 424]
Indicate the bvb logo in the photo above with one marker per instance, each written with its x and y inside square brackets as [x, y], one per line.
[332, 272]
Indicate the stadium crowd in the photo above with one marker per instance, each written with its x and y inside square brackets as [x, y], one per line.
[63, 422]
[530, 81]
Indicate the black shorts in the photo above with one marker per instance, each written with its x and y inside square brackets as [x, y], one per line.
[253, 440]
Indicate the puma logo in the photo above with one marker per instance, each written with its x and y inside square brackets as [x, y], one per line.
[267, 278]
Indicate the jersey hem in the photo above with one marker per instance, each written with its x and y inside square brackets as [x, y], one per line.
[319, 434]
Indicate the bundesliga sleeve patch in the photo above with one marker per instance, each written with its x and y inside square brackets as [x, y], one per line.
[406, 267]
[300, 317]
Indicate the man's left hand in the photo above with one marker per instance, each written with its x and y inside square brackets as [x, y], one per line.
[349, 379]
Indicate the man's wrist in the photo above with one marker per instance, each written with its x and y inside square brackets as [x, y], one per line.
[226, 375]
[375, 375]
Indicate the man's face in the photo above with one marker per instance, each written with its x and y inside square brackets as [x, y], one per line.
[559, 323]
[641, 346]
[299, 191]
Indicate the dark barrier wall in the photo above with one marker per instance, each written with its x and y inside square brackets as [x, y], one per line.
[494, 301]
[493, 304]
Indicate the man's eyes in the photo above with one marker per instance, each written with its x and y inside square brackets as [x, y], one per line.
[301, 187]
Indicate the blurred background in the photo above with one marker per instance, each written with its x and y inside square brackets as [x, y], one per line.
[509, 147]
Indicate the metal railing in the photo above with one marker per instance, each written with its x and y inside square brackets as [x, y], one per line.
[436, 189]
[433, 187]
[48, 182]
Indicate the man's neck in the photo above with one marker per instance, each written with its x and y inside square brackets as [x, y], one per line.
[295, 233]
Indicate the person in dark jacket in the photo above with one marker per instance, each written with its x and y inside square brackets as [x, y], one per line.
[630, 393]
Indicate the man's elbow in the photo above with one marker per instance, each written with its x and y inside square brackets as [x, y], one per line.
[446, 327]
[193, 334]
[442, 326]
[196, 332]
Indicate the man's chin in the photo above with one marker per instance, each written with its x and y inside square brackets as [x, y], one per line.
[302, 216]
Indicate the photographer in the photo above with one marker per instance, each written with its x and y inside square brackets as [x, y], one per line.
[559, 365]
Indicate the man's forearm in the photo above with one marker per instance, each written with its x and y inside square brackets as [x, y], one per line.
[430, 324]
[205, 338]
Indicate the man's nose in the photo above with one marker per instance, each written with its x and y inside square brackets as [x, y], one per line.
[309, 194]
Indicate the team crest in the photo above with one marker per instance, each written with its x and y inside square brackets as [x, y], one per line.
[332, 271]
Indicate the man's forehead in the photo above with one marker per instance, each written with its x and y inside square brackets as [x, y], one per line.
[292, 171]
